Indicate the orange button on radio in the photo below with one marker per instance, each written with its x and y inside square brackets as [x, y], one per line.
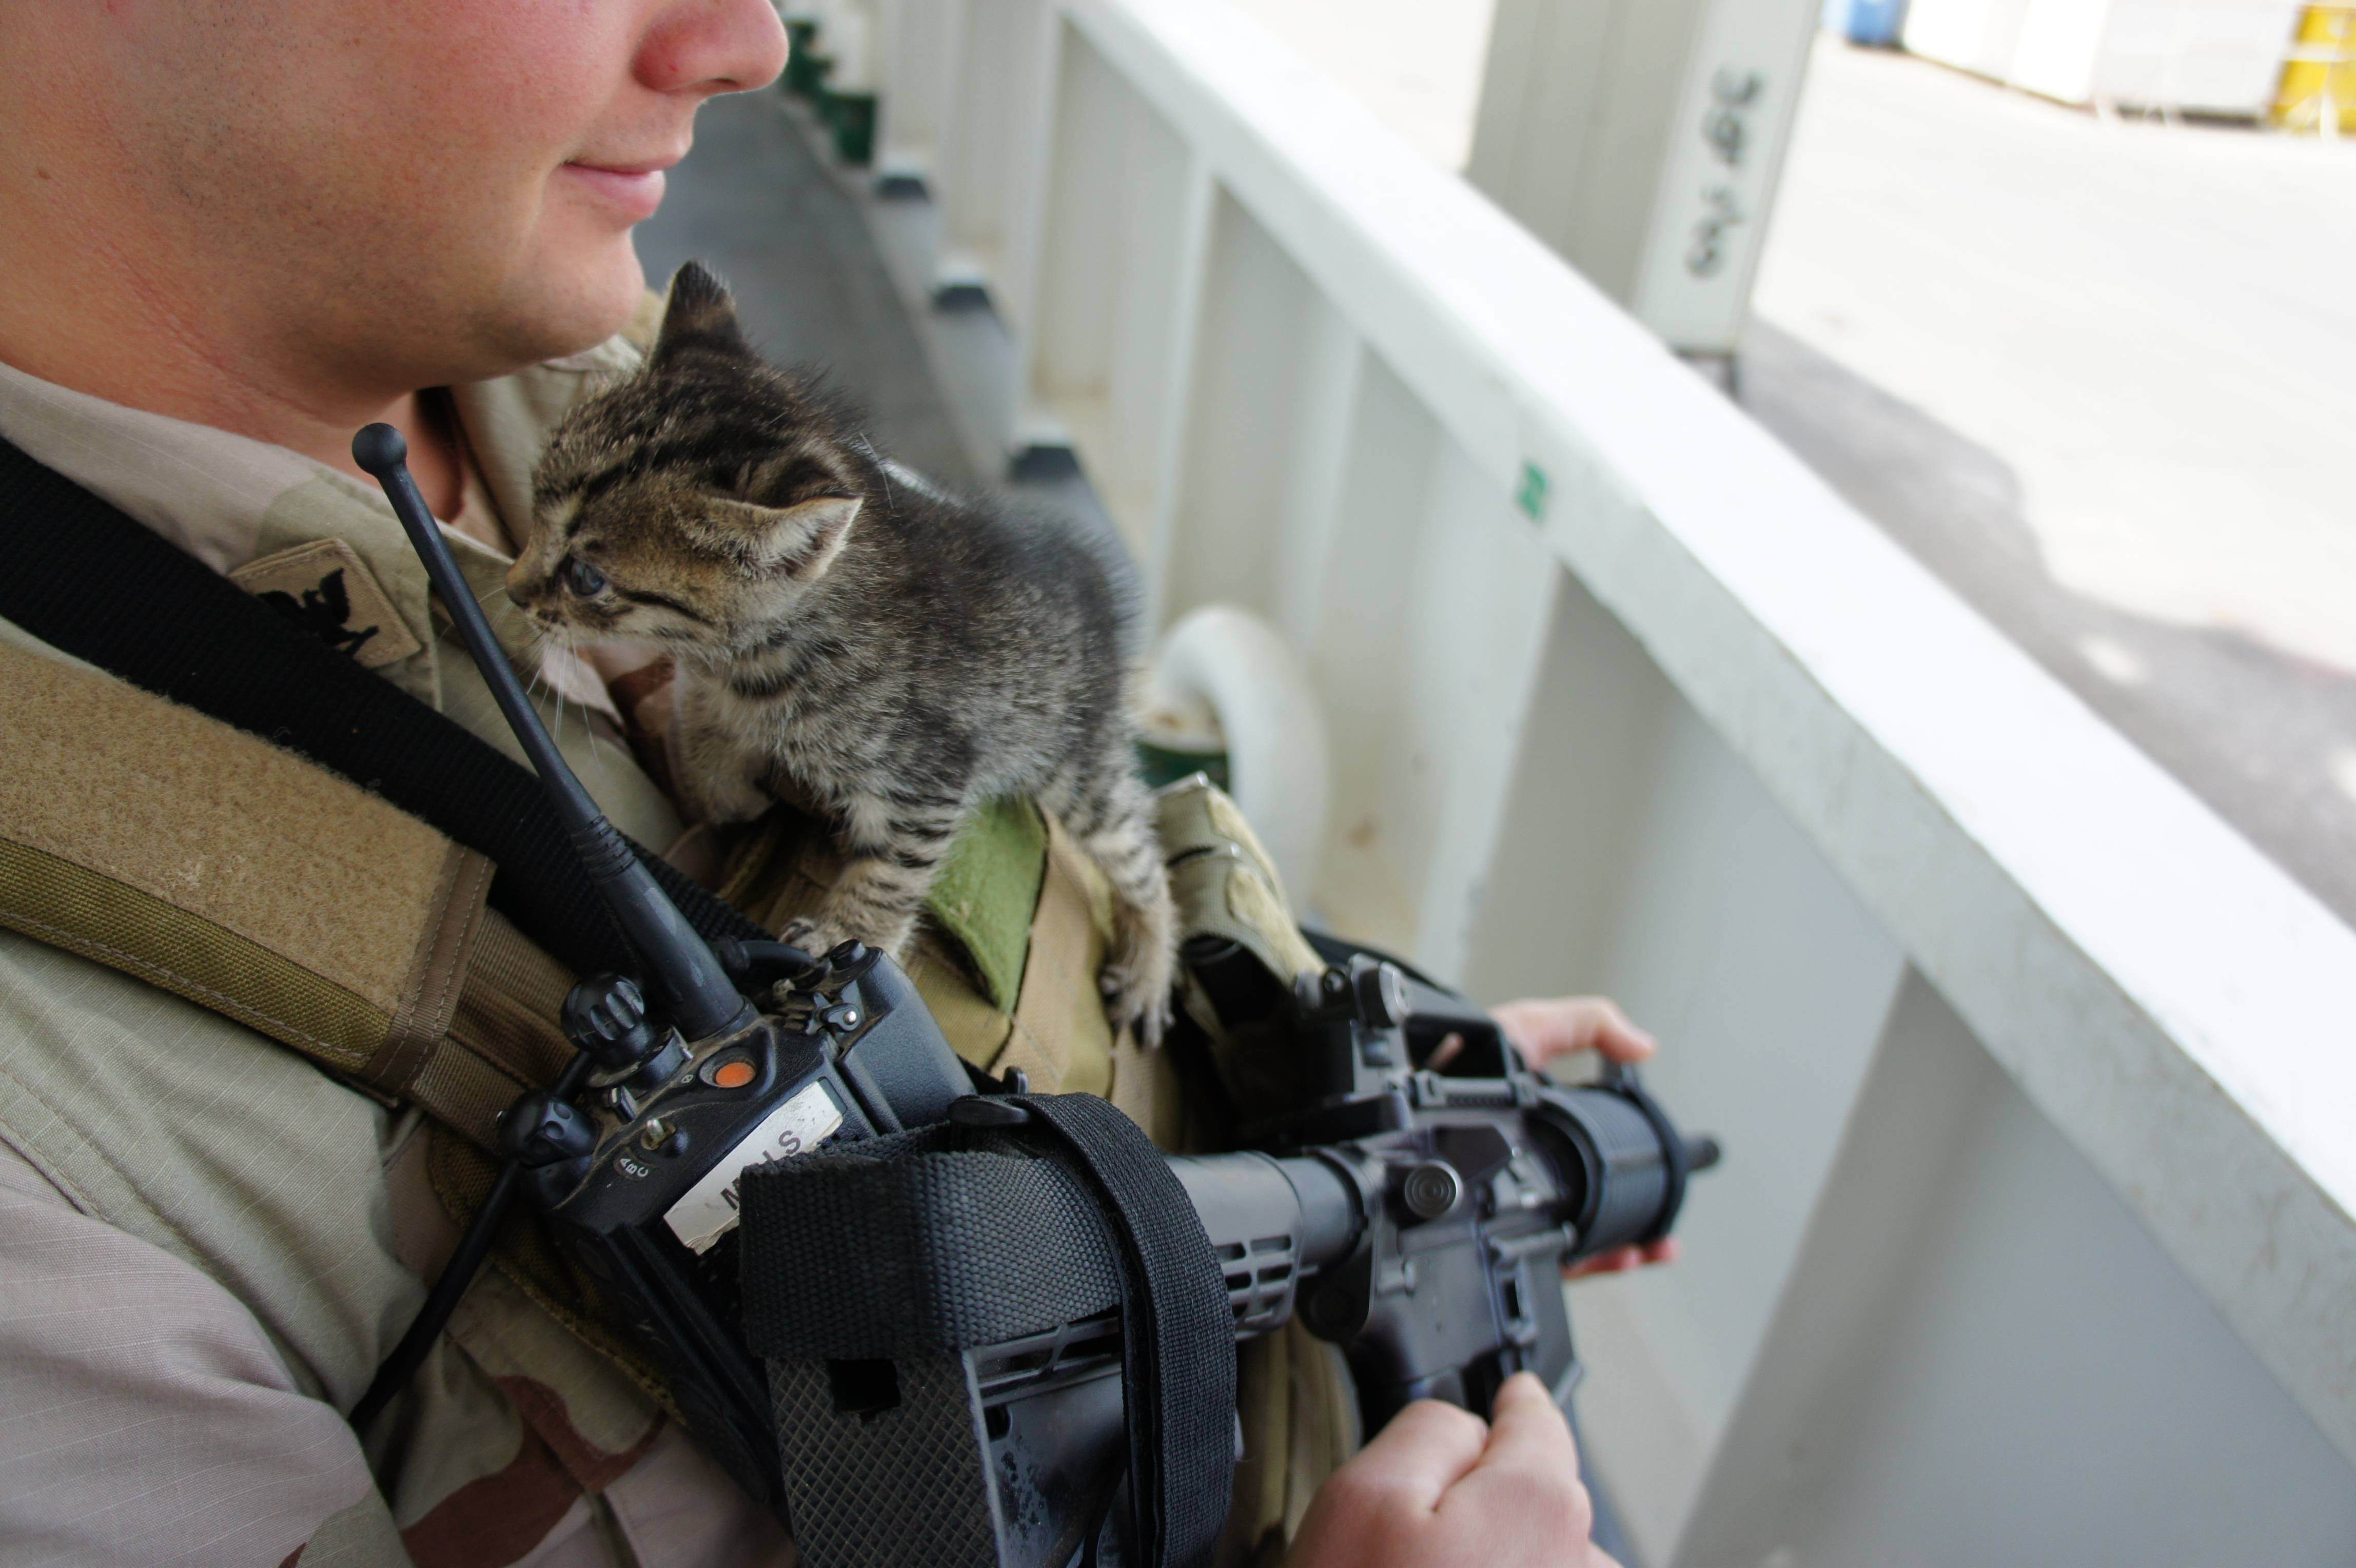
[732, 1074]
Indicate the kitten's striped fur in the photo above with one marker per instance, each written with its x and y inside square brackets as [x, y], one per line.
[899, 656]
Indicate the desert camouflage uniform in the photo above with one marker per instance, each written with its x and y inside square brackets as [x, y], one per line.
[207, 1244]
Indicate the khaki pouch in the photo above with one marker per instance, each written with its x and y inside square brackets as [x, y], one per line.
[174, 847]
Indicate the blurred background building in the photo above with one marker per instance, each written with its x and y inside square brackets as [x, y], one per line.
[1831, 523]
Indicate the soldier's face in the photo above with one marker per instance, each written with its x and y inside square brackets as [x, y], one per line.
[424, 190]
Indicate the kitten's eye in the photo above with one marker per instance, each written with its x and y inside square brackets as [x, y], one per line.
[582, 578]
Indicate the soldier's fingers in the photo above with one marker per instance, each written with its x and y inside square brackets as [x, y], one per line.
[1544, 1030]
[1528, 1474]
[1425, 1450]
[1618, 1260]
[1526, 1427]
[1615, 1038]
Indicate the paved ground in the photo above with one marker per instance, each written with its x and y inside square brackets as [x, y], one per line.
[2153, 325]
[2100, 376]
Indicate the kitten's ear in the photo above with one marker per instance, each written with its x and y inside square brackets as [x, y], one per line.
[802, 541]
[700, 313]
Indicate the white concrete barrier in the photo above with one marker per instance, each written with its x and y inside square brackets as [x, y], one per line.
[2037, 1236]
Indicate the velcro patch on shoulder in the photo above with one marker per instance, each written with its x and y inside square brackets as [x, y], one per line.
[204, 860]
[989, 887]
[326, 590]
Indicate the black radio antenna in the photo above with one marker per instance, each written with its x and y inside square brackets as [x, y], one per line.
[688, 983]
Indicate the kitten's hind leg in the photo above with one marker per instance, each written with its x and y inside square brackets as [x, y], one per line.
[893, 850]
[1113, 823]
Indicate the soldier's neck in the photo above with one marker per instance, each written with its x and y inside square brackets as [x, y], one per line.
[128, 347]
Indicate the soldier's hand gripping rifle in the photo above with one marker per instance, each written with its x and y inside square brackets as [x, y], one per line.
[935, 1319]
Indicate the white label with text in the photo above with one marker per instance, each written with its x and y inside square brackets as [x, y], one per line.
[708, 1210]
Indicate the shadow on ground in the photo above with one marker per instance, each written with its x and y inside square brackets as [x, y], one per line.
[2250, 730]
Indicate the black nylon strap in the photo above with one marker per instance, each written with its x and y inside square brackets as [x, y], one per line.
[1178, 1332]
[94, 583]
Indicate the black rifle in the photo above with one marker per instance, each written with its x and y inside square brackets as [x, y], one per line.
[969, 1310]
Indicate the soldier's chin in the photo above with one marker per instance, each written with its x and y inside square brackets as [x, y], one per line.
[582, 289]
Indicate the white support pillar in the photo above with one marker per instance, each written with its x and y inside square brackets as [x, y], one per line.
[1642, 139]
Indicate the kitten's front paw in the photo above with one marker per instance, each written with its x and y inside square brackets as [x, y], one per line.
[1137, 990]
[809, 936]
[818, 938]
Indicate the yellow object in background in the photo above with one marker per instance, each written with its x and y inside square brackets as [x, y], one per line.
[2318, 80]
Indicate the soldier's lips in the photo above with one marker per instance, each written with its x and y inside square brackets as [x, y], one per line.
[636, 192]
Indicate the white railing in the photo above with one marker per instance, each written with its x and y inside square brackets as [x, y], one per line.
[1622, 698]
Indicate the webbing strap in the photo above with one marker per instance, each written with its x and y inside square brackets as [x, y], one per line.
[1178, 1332]
[915, 1245]
[92, 582]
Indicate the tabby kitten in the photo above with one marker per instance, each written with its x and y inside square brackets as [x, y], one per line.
[845, 634]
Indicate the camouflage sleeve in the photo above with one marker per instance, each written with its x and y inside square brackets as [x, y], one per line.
[149, 1420]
